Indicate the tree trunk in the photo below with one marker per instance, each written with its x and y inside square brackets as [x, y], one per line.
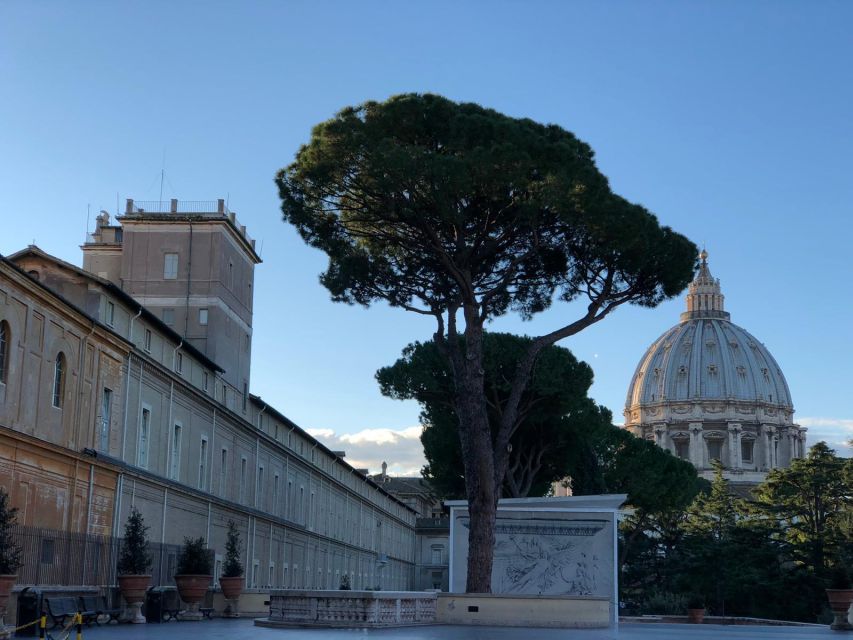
[475, 436]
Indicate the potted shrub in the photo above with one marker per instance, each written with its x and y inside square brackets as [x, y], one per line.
[696, 609]
[840, 594]
[10, 552]
[232, 580]
[134, 565]
[193, 575]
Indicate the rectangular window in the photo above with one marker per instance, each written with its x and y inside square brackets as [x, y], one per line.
[179, 362]
[170, 266]
[202, 463]
[259, 496]
[204, 380]
[169, 316]
[245, 396]
[223, 472]
[682, 449]
[715, 450]
[174, 472]
[436, 555]
[106, 410]
[202, 316]
[147, 341]
[746, 448]
[111, 314]
[144, 428]
[275, 494]
[242, 488]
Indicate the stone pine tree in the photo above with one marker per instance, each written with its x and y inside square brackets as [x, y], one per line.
[460, 213]
[554, 411]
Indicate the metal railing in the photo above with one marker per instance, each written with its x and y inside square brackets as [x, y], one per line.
[180, 206]
[209, 208]
[51, 557]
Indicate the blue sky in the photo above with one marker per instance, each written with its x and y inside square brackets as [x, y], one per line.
[730, 120]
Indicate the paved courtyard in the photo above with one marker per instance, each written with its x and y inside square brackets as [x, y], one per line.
[245, 630]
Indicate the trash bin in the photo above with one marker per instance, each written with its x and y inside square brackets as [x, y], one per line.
[29, 610]
[154, 605]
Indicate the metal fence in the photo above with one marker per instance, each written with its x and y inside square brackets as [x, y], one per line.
[51, 557]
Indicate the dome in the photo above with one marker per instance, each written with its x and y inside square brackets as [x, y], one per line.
[708, 389]
[708, 359]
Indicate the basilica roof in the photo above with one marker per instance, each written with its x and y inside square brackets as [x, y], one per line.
[707, 357]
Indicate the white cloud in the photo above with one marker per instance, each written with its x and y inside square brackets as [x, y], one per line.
[369, 448]
[836, 432]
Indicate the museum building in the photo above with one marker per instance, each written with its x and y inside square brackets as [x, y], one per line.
[708, 390]
[126, 383]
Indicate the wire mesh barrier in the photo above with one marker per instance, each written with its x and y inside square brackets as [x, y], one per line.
[52, 557]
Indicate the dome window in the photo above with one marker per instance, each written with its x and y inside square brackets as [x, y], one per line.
[741, 370]
[657, 372]
[765, 371]
[682, 369]
[712, 369]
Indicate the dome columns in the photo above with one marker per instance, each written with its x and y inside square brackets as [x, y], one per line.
[735, 430]
[696, 447]
[660, 436]
[771, 446]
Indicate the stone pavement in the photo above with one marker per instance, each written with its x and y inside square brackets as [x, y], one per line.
[244, 629]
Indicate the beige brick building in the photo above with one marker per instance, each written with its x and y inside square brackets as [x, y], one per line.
[127, 383]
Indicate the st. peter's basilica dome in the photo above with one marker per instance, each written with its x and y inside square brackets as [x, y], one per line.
[707, 389]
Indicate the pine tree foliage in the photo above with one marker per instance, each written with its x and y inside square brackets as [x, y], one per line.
[233, 568]
[10, 550]
[134, 557]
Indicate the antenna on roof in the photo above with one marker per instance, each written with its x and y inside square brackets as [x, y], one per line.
[88, 209]
[162, 178]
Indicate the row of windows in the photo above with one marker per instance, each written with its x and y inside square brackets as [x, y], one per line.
[715, 450]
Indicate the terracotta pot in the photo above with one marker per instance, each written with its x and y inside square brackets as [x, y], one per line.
[695, 616]
[839, 602]
[7, 581]
[133, 587]
[192, 588]
[232, 587]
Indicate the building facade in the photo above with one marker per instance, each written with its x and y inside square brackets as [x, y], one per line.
[107, 402]
[708, 390]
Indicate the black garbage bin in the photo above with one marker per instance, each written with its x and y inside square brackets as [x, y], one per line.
[154, 605]
[29, 610]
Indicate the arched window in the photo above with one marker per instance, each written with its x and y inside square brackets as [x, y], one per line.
[58, 380]
[5, 339]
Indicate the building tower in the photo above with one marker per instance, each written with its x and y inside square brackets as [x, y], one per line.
[192, 265]
[708, 390]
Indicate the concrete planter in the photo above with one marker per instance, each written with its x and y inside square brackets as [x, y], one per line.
[192, 589]
[7, 581]
[133, 588]
[839, 602]
[232, 588]
[695, 616]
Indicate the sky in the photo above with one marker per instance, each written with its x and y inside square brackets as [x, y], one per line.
[730, 120]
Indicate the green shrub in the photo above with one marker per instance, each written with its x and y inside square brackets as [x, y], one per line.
[195, 558]
[232, 567]
[134, 558]
[10, 550]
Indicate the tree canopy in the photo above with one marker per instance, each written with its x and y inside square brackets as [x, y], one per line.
[554, 411]
[461, 213]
